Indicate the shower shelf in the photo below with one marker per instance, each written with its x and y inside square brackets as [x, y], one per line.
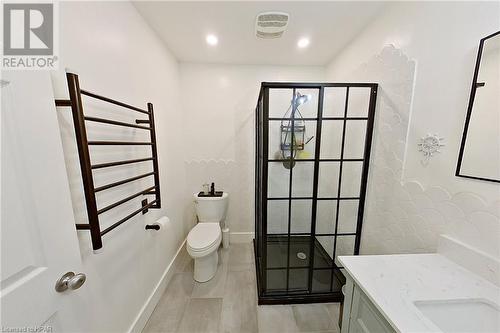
[86, 167]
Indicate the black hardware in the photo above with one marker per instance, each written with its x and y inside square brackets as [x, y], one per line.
[154, 152]
[112, 101]
[121, 182]
[474, 87]
[216, 194]
[84, 155]
[366, 164]
[317, 150]
[119, 143]
[63, 102]
[152, 204]
[114, 122]
[75, 102]
[284, 280]
[144, 203]
[212, 189]
[118, 203]
[112, 164]
[152, 227]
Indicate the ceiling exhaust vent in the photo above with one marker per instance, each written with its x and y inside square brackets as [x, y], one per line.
[271, 24]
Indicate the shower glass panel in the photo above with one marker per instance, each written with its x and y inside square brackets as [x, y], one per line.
[313, 145]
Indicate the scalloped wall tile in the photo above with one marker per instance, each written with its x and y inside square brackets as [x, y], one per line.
[405, 217]
[494, 208]
[469, 202]
[227, 177]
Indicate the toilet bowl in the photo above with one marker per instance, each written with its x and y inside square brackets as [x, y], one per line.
[205, 238]
[202, 244]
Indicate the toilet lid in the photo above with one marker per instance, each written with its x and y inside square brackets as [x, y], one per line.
[203, 235]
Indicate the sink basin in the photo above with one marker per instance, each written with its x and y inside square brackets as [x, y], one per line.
[469, 315]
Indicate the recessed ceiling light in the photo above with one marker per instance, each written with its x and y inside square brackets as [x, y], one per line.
[212, 40]
[303, 42]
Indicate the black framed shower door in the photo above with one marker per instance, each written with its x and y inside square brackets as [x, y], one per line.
[309, 205]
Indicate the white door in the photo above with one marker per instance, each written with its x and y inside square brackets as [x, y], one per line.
[38, 238]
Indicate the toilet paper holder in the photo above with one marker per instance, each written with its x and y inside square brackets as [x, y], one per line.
[152, 226]
[159, 224]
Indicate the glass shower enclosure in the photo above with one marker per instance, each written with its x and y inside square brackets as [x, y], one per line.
[313, 145]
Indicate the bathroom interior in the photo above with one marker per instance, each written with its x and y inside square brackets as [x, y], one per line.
[250, 166]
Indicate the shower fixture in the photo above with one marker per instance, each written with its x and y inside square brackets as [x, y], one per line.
[293, 130]
[301, 99]
[310, 211]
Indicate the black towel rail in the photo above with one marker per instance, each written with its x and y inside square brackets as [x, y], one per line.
[152, 204]
[117, 123]
[119, 143]
[112, 101]
[121, 182]
[112, 164]
[124, 200]
[79, 119]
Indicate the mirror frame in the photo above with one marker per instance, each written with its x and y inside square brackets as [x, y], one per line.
[469, 112]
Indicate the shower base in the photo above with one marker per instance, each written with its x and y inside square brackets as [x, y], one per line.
[297, 272]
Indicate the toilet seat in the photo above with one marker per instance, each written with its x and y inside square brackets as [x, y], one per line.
[203, 239]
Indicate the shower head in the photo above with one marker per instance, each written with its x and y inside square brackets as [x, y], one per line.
[301, 99]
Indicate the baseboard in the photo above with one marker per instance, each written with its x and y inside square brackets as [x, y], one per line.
[241, 237]
[150, 304]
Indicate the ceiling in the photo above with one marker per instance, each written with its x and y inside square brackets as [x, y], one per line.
[184, 25]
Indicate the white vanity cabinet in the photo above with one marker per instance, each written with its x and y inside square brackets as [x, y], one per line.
[395, 293]
[360, 315]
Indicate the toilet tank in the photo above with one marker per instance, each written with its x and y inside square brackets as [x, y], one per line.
[211, 209]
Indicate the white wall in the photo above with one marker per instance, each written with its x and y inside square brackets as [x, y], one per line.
[116, 54]
[219, 121]
[407, 206]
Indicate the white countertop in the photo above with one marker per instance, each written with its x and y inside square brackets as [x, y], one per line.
[394, 282]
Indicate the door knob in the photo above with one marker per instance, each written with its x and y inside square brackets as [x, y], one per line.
[71, 281]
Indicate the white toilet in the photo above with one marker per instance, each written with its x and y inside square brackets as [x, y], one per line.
[204, 239]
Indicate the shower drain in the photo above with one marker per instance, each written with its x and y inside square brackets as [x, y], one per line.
[301, 255]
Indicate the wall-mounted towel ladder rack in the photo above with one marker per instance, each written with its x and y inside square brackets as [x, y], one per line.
[86, 166]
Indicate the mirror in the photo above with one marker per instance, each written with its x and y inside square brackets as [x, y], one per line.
[479, 156]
